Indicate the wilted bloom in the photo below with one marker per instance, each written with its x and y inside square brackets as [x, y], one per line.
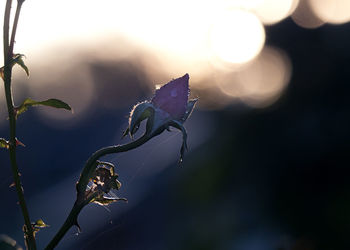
[169, 107]
[102, 181]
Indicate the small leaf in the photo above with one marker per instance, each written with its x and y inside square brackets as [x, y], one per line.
[104, 201]
[4, 143]
[2, 72]
[39, 224]
[55, 103]
[19, 143]
[18, 59]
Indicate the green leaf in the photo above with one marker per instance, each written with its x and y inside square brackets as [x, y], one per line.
[40, 224]
[7, 243]
[55, 103]
[4, 143]
[18, 59]
[104, 201]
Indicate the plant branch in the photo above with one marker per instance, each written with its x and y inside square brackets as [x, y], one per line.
[8, 52]
[83, 181]
[14, 27]
[6, 28]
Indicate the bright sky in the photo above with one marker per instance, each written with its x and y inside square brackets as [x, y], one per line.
[177, 26]
[220, 38]
[232, 27]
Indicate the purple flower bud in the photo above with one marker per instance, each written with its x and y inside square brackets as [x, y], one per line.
[173, 97]
[169, 107]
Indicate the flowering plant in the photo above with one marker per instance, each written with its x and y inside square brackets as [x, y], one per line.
[168, 108]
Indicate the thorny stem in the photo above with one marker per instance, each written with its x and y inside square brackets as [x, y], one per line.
[8, 52]
[83, 181]
[70, 221]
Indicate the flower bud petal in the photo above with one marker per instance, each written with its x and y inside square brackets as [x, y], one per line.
[158, 123]
[173, 96]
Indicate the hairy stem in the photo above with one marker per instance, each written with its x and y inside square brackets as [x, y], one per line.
[83, 181]
[8, 52]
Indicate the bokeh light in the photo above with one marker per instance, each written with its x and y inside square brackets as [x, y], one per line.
[273, 11]
[260, 83]
[237, 37]
[305, 17]
[219, 43]
[332, 11]
[242, 4]
[70, 83]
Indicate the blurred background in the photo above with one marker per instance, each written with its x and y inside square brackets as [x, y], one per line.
[267, 166]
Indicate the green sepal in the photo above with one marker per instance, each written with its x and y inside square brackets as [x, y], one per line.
[55, 103]
[18, 59]
[190, 106]
[140, 112]
[184, 147]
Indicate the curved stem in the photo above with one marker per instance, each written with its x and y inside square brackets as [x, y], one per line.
[83, 181]
[8, 51]
[89, 165]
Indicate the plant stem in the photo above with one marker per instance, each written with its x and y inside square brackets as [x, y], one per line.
[8, 52]
[70, 221]
[15, 24]
[83, 181]
[6, 28]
